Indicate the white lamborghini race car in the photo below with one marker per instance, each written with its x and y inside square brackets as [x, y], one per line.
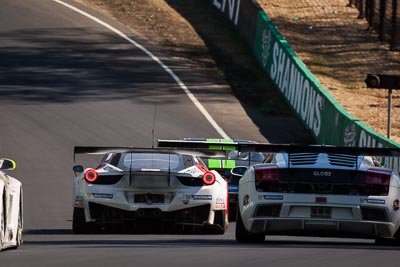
[318, 191]
[139, 189]
[11, 207]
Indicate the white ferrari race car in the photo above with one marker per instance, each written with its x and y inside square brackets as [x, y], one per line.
[148, 190]
[318, 191]
[11, 207]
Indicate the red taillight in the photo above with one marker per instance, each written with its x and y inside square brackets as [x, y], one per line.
[91, 176]
[378, 177]
[266, 173]
[208, 178]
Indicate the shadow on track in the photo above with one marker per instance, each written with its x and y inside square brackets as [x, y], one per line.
[67, 238]
[54, 66]
[48, 232]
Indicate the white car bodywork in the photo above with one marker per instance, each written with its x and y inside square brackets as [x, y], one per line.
[149, 194]
[11, 207]
[318, 194]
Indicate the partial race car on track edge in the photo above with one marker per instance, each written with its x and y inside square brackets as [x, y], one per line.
[11, 222]
[149, 190]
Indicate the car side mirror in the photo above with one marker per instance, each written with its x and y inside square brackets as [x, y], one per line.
[239, 171]
[77, 169]
[7, 164]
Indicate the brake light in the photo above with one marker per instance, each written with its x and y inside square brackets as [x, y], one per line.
[378, 177]
[266, 173]
[208, 178]
[91, 176]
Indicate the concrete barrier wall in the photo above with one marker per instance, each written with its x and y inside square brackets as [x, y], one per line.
[328, 122]
[243, 14]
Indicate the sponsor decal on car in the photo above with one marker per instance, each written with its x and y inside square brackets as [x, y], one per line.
[373, 201]
[220, 203]
[100, 195]
[246, 200]
[322, 173]
[273, 197]
[202, 197]
[233, 188]
[79, 201]
[396, 205]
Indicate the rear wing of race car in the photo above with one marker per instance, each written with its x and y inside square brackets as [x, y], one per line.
[294, 148]
[286, 148]
[99, 150]
[226, 144]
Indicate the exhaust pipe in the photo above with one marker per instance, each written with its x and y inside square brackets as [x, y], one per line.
[140, 213]
[157, 212]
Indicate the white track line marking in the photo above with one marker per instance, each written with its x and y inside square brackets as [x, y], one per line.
[156, 59]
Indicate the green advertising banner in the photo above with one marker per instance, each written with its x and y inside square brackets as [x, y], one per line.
[329, 123]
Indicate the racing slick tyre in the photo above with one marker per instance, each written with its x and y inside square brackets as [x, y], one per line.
[79, 225]
[19, 232]
[3, 221]
[395, 241]
[387, 242]
[219, 226]
[244, 236]
[19, 240]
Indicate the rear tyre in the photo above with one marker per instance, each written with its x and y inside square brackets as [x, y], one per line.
[244, 236]
[19, 232]
[219, 223]
[387, 242]
[19, 240]
[79, 225]
[395, 241]
[3, 221]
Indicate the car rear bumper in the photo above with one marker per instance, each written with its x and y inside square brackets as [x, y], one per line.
[197, 217]
[106, 214]
[319, 227]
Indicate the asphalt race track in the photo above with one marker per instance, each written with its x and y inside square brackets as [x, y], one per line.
[66, 80]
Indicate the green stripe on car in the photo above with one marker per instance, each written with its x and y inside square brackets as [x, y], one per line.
[221, 164]
[228, 163]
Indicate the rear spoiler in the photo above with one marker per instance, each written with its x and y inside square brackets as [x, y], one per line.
[292, 148]
[212, 144]
[99, 150]
[277, 148]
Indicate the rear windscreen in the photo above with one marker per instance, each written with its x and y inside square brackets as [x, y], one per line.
[163, 162]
